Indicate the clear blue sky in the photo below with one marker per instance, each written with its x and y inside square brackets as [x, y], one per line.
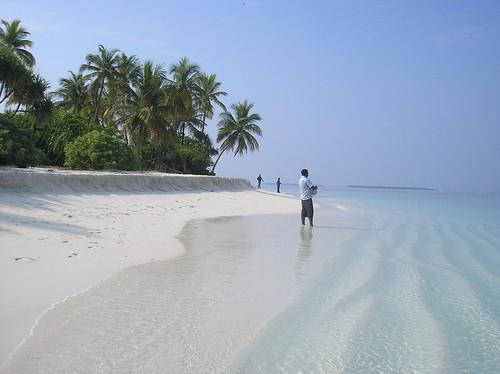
[403, 93]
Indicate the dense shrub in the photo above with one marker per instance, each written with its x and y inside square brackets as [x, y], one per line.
[59, 131]
[193, 157]
[17, 144]
[99, 150]
[190, 157]
[172, 157]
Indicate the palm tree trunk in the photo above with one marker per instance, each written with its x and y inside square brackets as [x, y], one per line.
[139, 148]
[203, 123]
[7, 95]
[17, 110]
[216, 161]
[98, 102]
[183, 132]
[139, 154]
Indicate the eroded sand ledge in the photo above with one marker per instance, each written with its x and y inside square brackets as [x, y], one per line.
[62, 231]
[50, 180]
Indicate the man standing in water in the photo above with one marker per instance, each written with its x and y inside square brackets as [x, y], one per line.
[278, 184]
[306, 192]
[259, 181]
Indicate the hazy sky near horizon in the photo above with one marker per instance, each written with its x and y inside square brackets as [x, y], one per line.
[402, 93]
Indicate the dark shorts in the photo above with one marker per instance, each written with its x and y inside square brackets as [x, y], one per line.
[307, 207]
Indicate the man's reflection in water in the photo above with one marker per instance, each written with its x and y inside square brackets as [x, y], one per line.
[304, 251]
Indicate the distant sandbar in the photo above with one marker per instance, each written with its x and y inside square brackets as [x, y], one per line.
[392, 188]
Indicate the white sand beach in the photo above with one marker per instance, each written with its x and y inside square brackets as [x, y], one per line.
[62, 231]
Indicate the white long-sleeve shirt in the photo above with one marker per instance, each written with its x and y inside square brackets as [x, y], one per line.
[305, 188]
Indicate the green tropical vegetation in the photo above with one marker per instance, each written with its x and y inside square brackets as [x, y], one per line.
[116, 112]
[99, 150]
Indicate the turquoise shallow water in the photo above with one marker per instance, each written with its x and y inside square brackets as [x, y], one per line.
[387, 281]
[424, 291]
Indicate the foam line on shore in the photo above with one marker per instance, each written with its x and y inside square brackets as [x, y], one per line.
[55, 180]
[51, 307]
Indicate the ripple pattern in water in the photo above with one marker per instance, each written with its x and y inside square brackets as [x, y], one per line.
[393, 289]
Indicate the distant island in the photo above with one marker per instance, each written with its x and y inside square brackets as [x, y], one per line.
[393, 188]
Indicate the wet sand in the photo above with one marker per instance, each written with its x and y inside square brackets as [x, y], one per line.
[194, 313]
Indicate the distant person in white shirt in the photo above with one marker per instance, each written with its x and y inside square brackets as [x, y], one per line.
[306, 192]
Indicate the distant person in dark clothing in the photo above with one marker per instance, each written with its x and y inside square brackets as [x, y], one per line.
[259, 181]
[306, 192]
[278, 184]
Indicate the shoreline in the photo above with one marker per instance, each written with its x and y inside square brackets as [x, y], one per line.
[181, 296]
[61, 241]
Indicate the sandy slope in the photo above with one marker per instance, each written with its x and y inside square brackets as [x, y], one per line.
[61, 232]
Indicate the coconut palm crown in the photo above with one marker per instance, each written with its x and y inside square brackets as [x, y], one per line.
[101, 68]
[14, 36]
[73, 92]
[182, 92]
[209, 94]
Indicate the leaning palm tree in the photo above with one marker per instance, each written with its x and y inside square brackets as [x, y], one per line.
[14, 36]
[101, 68]
[236, 131]
[209, 93]
[73, 92]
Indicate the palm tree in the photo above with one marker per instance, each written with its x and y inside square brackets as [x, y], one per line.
[102, 68]
[74, 92]
[128, 70]
[13, 36]
[145, 111]
[15, 76]
[209, 93]
[236, 131]
[182, 92]
[185, 75]
[28, 93]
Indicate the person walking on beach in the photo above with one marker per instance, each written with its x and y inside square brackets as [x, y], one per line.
[259, 181]
[278, 184]
[306, 189]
